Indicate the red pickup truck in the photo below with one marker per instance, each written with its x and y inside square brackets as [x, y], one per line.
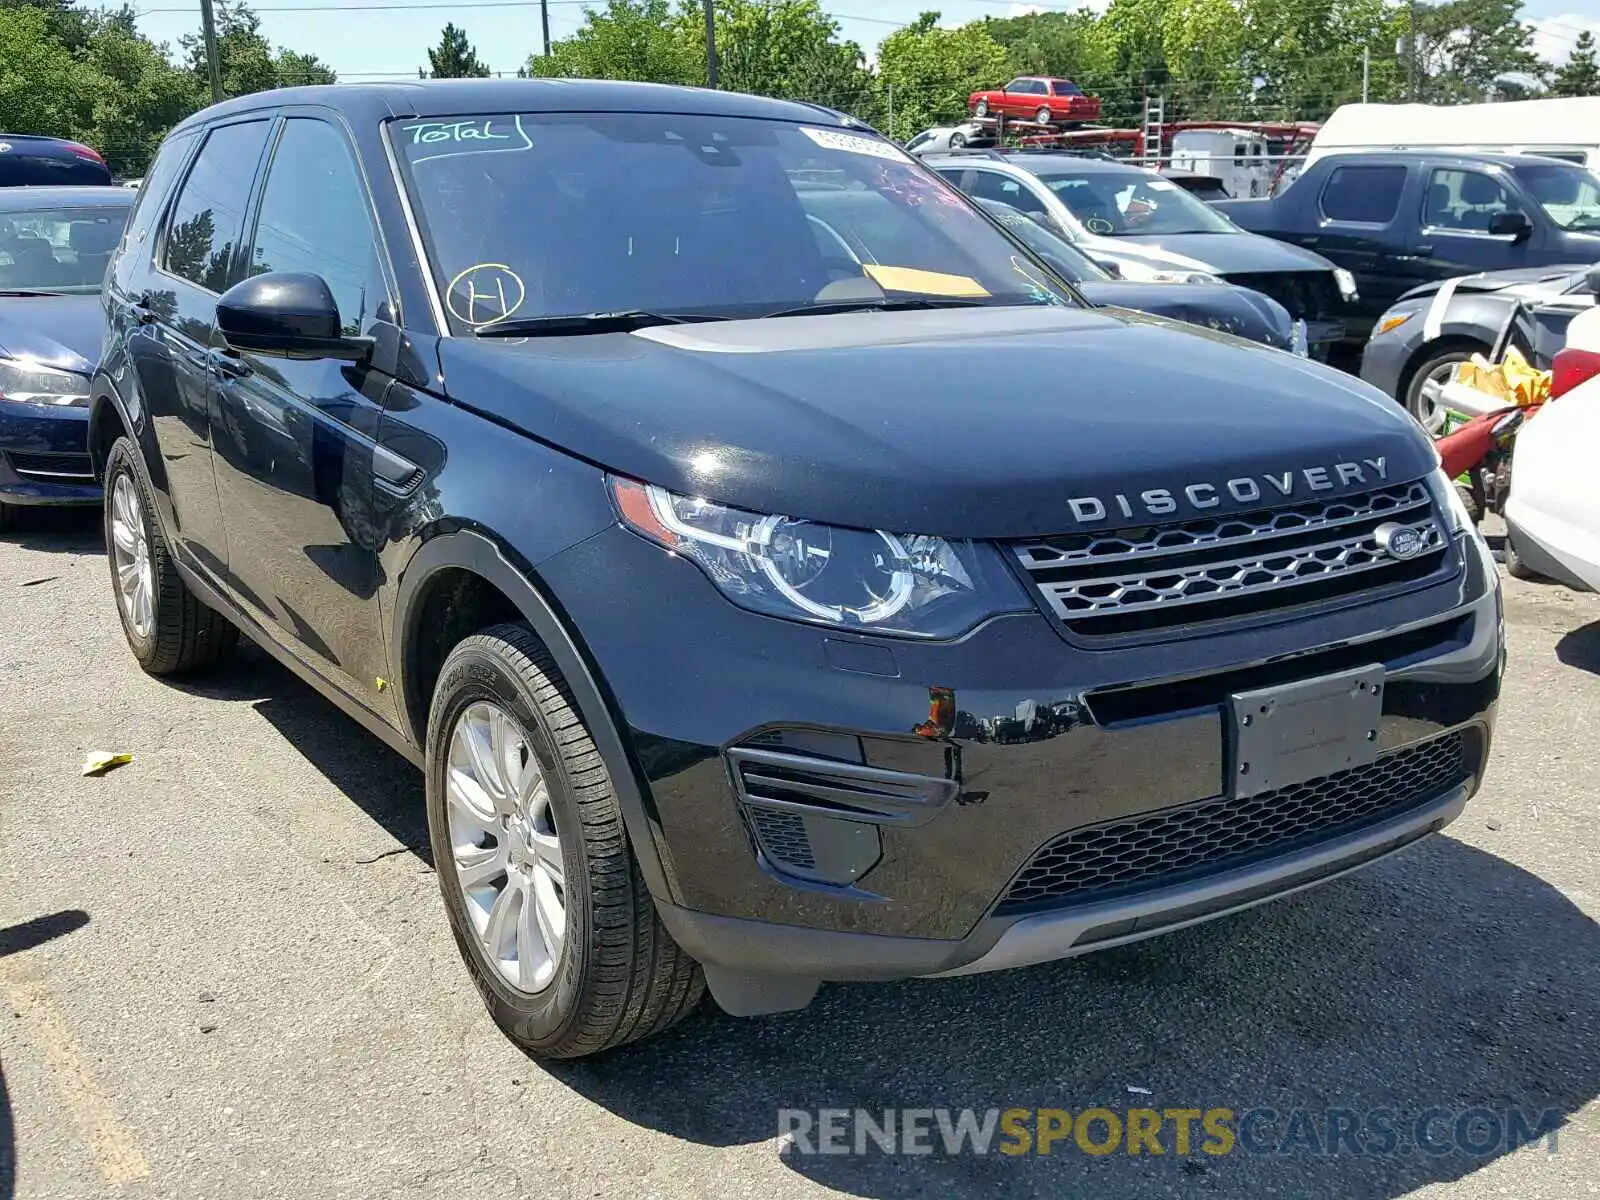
[1036, 98]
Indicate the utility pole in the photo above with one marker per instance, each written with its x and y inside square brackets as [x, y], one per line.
[891, 109]
[544, 24]
[1366, 71]
[1411, 51]
[208, 24]
[711, 46]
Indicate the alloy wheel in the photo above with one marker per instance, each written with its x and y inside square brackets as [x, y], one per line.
[130, 553]
[505, 846]
[1428, 406]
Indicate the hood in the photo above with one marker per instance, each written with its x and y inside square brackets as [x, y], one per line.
[1235, 310]
[980, 422]
[1529, 282]
[1223, 253]
[57, 331]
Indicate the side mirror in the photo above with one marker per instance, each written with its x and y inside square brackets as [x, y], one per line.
[1514, 225]
[287, 314]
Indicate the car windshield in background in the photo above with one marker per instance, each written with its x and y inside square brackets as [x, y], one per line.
[539, 215]
[1121, 203]
[58, 249]
[1570, 196]
[1069, 262]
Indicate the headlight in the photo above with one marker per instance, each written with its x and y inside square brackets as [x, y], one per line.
[1347, 283]
[27, 382]
[865, 580]
[1455, 509]
[1391, 321]
[1144, 273]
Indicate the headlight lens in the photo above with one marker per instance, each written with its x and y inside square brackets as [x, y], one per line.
[27, 382]
[866, 580]
[1347, 283]
[1144, 273]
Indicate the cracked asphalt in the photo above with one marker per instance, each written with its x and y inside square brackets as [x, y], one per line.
[225, 972]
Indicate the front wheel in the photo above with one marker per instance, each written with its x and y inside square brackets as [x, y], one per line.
[1424, 394]
[1516, 566]
[981, 109]
[168, 629]
[8, 517]
[958, 141]
[546, 903]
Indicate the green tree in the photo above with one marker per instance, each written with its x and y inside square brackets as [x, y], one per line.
[138, 95]
[785, 48]
[454, 56]
[631, 39]
[1463, 45]
[247, 60]
[932, 71]
[44, 89]
[1579, 75]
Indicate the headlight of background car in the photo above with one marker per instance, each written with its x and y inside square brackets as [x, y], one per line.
[1347, 284]
[29, 383]
[866, 580]
[1145, 273]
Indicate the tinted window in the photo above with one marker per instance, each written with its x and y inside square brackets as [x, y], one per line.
[991, 185]
[210, 207]
[1463, 200]
[1065, 87]
[58, 249]
[148, 203]
[1369, 195]
[314, 218]
[1116, 202]
[554, 214]
[1029, 86]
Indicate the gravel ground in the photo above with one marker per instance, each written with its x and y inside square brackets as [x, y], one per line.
[224, 971]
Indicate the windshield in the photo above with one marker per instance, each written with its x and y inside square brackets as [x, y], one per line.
[1068, 261]
[530, 216]
[1118, 203]
[58, 249]
[1570, 196]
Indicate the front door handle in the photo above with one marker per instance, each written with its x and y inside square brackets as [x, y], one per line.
[142, 310]
[227, 364]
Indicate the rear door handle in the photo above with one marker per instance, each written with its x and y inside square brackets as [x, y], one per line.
[226, 364]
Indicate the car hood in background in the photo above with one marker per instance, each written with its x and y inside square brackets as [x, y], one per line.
[1239, 311]
[56, 331]
[980, 422]
[1225, 253]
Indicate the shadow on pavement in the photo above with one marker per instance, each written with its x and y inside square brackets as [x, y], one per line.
[1444, 979]
[1581, 648]
[57, 530]
[13, 940]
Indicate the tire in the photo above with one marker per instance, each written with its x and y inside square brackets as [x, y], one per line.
[1432, 368]
[1515, 566]
[1043, 115]
[8, 517]
[616, 975]
[179, 634]
[958, 140]
[981, 109]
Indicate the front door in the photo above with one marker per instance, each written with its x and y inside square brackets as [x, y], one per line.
[1457, 207]
[294, 437]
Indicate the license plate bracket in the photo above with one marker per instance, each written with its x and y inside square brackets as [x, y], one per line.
[1286, 735]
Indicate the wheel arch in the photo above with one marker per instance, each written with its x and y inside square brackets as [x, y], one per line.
[1453, 339]
[489, 583]
[112, 416]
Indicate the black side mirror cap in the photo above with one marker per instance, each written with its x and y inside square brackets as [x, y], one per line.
[1512, 224]
[287, 314]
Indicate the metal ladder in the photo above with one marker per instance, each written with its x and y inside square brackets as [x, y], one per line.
[1155, 111]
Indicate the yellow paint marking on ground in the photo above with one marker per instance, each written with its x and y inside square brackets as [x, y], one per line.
[115, 1152]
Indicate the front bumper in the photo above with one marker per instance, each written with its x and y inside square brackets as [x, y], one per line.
[1082, 738]
[44, 455]
[1383, 362]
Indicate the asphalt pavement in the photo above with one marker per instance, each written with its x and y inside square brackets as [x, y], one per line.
[225, 972]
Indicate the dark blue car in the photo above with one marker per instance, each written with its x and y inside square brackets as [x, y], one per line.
[30, 161]
[54, 246]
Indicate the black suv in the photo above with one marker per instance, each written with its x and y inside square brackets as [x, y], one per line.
[763, 608]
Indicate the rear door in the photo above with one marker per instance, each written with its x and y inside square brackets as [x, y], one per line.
[295, 437]
[169, 302]
[1361, 225]
[1457, 205]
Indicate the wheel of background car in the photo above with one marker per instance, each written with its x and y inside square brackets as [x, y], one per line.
[168, 629]
[1428, 380]
[1516, 566]
[1043, 115]
[957, 140]
[545, 900]
[981, 109]
[8, 517]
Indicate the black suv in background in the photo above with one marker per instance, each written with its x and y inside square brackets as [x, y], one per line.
[760, 613]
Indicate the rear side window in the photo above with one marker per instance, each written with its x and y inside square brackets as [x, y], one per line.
[314, 218]
[1065, 87]
[209, 211]
[147, 208]
[1367, 195]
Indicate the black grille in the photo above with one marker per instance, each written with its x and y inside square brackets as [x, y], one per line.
[1160, 578]
[1308, 295]
[783, 838]
[1167, 847]
[58, 468]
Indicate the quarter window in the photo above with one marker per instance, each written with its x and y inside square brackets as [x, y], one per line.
[210, 208]
[1366, 195]
[314, 218]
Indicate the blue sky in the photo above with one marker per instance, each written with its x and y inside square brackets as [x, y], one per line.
[368, 39]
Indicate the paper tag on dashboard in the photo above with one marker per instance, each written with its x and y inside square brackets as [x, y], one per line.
[832, 139]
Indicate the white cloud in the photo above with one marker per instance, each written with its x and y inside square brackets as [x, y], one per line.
[1553, 36]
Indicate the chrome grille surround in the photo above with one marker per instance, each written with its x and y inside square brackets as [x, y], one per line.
[1159, 571]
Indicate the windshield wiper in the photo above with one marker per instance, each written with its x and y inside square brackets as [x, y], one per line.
[621, 321]
[27, 292]
[906, 304]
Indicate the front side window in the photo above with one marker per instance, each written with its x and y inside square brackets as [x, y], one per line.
[1570, 196]
[1120, 203]
[58, 249]
[991, 185]
[1464, 201]
[1367, 195]
[530, 215]
[206, 217]
[314, 218]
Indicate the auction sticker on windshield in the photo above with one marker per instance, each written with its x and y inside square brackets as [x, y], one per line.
[832, 139]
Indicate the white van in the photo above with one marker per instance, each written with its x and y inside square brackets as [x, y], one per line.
[1239, 158]
[1563, 128]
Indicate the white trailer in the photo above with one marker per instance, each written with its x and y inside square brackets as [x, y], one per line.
[1559, 128]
